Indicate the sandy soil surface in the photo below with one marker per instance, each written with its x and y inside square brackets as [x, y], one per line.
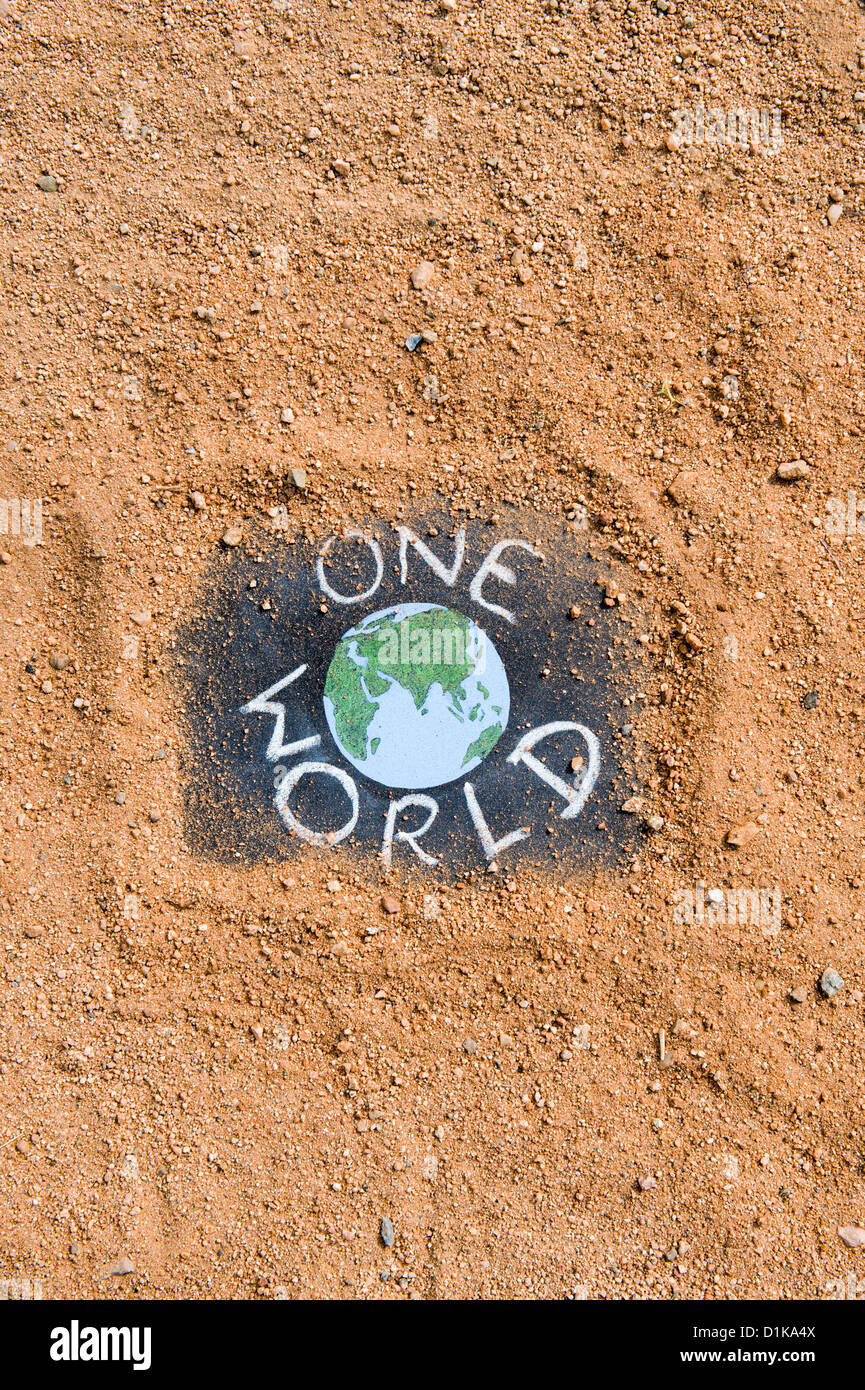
[215, 1078]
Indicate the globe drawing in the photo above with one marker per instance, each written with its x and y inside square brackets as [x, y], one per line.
[416, 695]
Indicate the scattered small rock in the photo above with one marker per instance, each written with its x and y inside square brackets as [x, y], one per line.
[47, 183]
[852, 1236]
[742, 834]
[809, 699]
[798, 995]
[386, 1231]
[831, 983]
[792, 471]
[413, 341]
[683, 487]
[123, 1266]
[422, 275]
[232, 537]
[390, 905]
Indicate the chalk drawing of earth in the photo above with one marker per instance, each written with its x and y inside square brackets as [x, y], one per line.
[416, 695]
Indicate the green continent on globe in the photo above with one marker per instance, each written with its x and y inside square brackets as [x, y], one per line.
[483, 744]
[423, 650]
[418, 652]
[352, 711]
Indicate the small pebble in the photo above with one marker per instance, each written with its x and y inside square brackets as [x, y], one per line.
[413, 341]
[422, 275]
[742, 834]
[390, 905]
[47, 183]
[809, 699]
[831, 983]
[794, 470]
[232, 537]
[299, 479]
[386, 1231]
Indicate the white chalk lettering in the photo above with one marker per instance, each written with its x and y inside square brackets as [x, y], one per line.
[265, 704]
[575, 797]
[446, 575]
[410, 837]
[303, 832]
[379, 568]
[492, 848]
[491, 567]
